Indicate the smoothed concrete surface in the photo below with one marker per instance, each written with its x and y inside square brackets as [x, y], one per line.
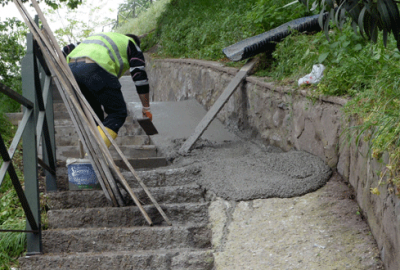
[177, 120]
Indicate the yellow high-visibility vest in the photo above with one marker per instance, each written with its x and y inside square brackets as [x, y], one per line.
[108, 50]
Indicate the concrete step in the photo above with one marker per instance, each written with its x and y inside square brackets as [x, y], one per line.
[178, 214]
[16, 117]
[151, 178]
[125, 239]
[67, 136]
[133, 151]
[128, 129]
[191, 193]
[177, 259]
[164, 177]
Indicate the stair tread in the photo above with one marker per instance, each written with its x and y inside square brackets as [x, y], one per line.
[126, 238]
[181, 258]
[126, 252]
[95, 198]
[178, 214]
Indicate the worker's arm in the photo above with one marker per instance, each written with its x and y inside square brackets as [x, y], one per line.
[68, 49]
[139, 76]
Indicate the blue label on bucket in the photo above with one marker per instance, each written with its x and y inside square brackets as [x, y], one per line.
[82, 174]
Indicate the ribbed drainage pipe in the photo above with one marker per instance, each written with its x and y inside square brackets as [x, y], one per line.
[254, 45]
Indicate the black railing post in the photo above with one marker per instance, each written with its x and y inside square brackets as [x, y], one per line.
[34, 244]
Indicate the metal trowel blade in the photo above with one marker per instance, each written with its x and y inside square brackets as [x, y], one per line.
[147, 126]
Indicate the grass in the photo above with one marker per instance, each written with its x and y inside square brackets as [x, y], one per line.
[202, 28]
[146, 22]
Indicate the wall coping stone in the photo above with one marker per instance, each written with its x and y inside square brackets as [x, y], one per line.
[252, 79]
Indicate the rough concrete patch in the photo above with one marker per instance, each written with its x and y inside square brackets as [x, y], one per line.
[245, 171]
[320, 230]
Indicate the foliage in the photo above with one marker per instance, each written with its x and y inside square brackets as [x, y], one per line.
[370, 16]
[145, 22]
[377, 112]
[12, 217]
[202, 28]
[352, 63]
[54, 4]
[132, 9]
[12, 38]
[77, 24]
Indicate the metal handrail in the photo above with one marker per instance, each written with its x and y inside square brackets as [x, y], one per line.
[37, 124]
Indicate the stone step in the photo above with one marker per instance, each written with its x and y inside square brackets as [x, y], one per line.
[128, 129]
[191, 193]
[136, 163]
[59, 107]
[177, 259]
[133, 151]
[125, 239]
[67, 136]
[152, 178]
[164, 177]
[16, 117]
[183, 213]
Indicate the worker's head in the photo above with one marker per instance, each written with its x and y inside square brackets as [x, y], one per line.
[135, 38]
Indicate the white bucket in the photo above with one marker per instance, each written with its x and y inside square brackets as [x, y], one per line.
[81, 174]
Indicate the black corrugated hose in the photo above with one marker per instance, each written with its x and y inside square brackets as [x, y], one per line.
[252, 46]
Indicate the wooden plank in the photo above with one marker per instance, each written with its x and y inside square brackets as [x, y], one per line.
[57, 58]
[89, 111]
[216, 108]
[106, 174]
[45, 45]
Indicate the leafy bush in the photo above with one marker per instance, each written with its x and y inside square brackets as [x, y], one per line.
[12, 34]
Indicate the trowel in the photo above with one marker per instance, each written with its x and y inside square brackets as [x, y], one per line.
[148, 126]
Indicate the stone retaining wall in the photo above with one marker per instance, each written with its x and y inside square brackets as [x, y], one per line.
[290, 120]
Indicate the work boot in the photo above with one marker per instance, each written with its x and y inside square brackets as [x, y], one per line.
[104, 137]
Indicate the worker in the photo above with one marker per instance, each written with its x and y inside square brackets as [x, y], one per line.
[97, 63]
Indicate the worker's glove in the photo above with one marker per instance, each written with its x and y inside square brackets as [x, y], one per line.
[147, 113]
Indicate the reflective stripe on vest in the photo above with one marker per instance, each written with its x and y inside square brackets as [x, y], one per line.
[112, 49]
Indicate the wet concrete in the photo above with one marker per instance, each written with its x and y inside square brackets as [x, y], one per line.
[242, 171]
[271, 209]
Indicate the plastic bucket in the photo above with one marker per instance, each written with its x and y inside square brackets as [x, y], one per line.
[81, 175]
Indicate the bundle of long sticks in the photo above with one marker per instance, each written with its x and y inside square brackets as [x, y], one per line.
[85, 119]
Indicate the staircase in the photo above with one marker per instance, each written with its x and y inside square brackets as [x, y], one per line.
[85, 232]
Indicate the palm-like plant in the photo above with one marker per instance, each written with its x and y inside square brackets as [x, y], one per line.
[371, 16]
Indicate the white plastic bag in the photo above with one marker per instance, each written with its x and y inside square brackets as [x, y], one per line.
[315, 75]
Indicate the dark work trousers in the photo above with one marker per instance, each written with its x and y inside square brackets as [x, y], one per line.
[100, 88]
